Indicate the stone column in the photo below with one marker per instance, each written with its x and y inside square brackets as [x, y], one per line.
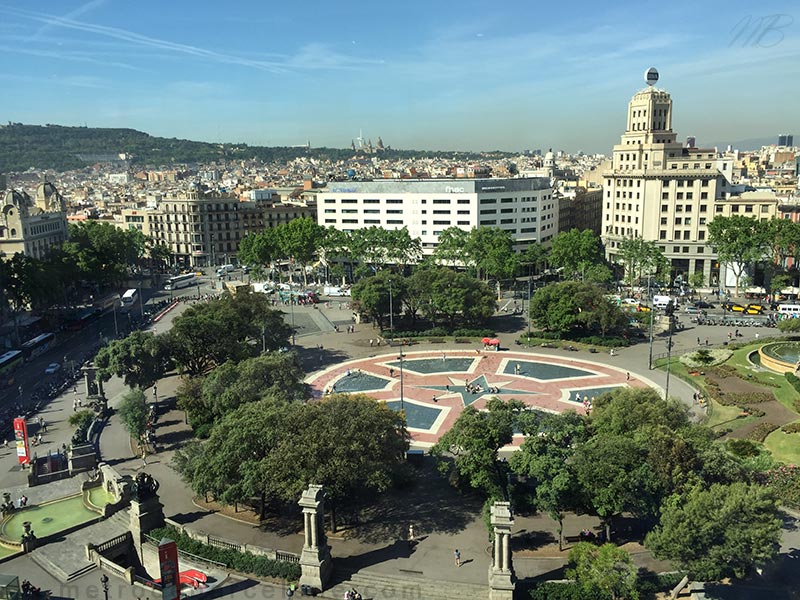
[501, 573]
[315, 560]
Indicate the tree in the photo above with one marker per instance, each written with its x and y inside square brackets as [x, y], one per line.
[456, 296]
[718, 531]
[474, 441]
[259, 249]
[231, 384]
[697, 279]
[140, 359]
[534, 257]
[350, 444]
[628, 410]
[372, 297]
[160, 254]
[228, 328]
[133, 413]
[452, 248]
[784, 237]
[573, 307]
[575, 251]
[739, 241]
[615, 479]
[607, 568]
[545, 458]
[492, 252]
[789, 325]
[640, 258]
[299, 241]
[103, 253]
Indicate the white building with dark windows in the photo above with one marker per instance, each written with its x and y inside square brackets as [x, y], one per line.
[525, 207]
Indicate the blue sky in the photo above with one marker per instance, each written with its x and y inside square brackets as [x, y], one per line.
[439, 75]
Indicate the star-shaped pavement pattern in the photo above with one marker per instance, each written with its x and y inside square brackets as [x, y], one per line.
[459, 388]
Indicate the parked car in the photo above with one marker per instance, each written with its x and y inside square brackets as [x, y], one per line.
[702, 304]
[733, 307]
[52, 368]
[692, 310]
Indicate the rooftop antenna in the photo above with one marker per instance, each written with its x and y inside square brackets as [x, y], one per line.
[651, 76]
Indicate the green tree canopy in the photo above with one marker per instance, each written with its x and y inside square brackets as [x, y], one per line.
[575, 251]
[351, 444]
[103, 253]
[606, 568]
[640, 258]
[577, 307]
[474, 442]
[739, 241]
[140, 359]
[299, 240]
[718, 531]
[133, 411]
[228, 328]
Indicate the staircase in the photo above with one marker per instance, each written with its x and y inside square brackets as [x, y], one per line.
[378, 586]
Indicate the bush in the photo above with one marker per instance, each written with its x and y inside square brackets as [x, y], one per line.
[756, 412]
[481, 333]
[608, 342]
[791, 428]
[794, 380]
[244, 562]
[743, 398]
[761, 431]
[785, 482]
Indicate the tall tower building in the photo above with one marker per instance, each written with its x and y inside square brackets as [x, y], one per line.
[660, 190]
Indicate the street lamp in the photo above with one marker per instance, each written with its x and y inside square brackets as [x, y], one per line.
[116, 327]
[401, 357]
[391, 315]
[529, 306]
[104, 584]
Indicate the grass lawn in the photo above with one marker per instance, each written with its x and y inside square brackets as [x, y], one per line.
[727, 416]
[784, 393]
[785, 447]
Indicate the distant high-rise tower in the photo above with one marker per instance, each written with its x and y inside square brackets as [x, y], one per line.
[782, 139]
[691, 142]
[789, 139]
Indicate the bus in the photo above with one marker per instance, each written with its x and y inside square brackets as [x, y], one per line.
[9, 361]
[78, 322]
[180, 281]
[105, 303]
[38, 345]
[129, 300]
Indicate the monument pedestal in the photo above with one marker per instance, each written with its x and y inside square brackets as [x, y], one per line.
[501, 573]
[315, 560]
[146, 512]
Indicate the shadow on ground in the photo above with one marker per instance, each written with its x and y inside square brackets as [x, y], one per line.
[428, 501]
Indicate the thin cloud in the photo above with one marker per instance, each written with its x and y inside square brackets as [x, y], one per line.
[312, 56]
[68, 56]
[83, 9]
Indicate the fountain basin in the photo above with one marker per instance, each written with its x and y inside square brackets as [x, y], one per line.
[781, 357]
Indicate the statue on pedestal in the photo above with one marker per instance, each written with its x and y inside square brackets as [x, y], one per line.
[144, 487]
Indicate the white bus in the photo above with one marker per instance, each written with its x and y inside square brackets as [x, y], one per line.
[180, 281]
[129, 300]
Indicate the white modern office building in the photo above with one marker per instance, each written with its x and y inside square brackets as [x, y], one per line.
[525, 207]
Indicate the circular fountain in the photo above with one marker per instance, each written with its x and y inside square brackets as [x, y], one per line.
[781, 357]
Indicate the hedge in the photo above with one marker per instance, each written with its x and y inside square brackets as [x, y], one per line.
[647, 587]
[439, 332]
[243, 562]
[791, 428]
[761, 431]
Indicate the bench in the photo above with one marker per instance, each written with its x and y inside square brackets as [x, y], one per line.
[436, 340]
[573, 539]
[462, 340]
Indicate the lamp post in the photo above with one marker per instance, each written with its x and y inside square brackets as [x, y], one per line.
[391, 315]
[529, 306]
[116, 327]
[670, 310]
[104, 584]
[401, 357]
[291, 308]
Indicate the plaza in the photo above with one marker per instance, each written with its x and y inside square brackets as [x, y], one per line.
[434, 387]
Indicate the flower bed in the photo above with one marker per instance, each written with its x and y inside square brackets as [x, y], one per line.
[703, 358]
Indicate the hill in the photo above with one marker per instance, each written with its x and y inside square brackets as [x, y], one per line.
[63, 148]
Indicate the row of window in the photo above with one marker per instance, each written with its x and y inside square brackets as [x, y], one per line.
[394, 201]
[682, 235]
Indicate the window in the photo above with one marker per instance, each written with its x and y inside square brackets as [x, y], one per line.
[748, 208]
[442, 201]
[704, 183]
[665, 195]
[681, 182]
[702, 220]
[463, 223]
[349, 220]
[506, 221]
[735, 208]
[394, 211]
[506, 210]
[493, 222]
[463, 201]
[441, 212]
[679, 196]
[764, 209]
[676, 249]
[463, 212]
[718, 208]
[372, 221]
[371, 201]
[663, 220]
[662, 235]
[489, 201]
[687, 221]
[700, 249]
[703, 207]
[372, 211]
[397, 201]
[441, 222]
[349, 211]
[686, 249]
[679, 208]
[488, 211]
[686, 235]
[664, 208]
[678, 221]
[689, 195]
[701, 235]
[330, 210]
[394, 222]
[330, 200]
[349, 201]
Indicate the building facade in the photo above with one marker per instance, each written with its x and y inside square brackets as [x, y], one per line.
[205, 230]
[32, 226]
[524, 207]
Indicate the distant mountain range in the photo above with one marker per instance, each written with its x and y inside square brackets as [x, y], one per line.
[64, 148]
[744, 145]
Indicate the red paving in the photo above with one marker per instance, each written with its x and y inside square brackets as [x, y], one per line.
[550, 396]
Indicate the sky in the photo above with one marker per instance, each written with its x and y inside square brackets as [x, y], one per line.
[467, 75]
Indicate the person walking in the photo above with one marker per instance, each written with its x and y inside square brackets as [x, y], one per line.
[411, 533]
[457, 556]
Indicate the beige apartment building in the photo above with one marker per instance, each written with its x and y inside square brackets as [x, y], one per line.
[205, 230]
[32, 226]
[661, 191]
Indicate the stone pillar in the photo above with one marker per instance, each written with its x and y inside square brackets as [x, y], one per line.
[501, 573]
[146, 512]
[315, 560]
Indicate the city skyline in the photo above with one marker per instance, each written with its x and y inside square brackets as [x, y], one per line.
[419, 76]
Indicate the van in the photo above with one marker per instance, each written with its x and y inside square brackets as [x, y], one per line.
[790, 310]
[225, 269]
[661, 301]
